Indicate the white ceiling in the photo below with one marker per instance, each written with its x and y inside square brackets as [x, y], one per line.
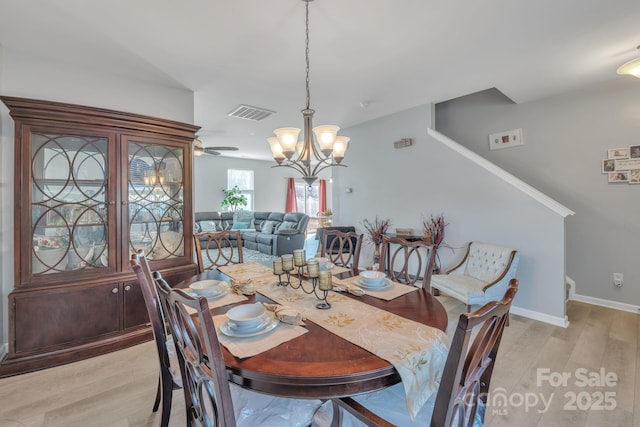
[388, 55]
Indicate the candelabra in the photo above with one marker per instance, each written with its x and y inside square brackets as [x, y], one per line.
[320, 280]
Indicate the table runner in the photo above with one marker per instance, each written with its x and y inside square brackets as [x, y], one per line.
[417, 351]
[396, 291]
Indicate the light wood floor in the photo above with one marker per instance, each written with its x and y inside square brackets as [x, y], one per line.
[118, 389]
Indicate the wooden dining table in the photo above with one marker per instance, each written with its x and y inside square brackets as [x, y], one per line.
[320, 364]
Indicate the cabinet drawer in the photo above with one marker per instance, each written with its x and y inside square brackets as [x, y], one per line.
[51, 318]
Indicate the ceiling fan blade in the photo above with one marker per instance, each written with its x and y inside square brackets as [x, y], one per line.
[211, 151]
[224, 148]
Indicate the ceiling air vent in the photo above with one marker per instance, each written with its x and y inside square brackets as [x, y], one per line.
[248, 112]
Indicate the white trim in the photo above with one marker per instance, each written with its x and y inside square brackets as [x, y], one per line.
[501, 173]
[535, 315]
[4, 351]
[607, 303]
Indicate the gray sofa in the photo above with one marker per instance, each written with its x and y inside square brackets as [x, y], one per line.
[272, 233]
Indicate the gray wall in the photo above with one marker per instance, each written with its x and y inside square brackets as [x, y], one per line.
[408, 184]
[565, 138]
[28, 76]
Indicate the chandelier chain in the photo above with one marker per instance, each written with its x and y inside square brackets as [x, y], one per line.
[306, 54]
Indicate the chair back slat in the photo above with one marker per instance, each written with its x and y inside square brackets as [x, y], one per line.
[342, 248]
[467, 374]
[218, 248]
[207, 392]
[407, 262]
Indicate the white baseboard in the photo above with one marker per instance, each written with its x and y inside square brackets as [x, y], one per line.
[607, 303]
[4, 351]
[536, 315]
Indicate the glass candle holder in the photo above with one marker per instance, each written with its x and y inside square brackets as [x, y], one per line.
[313, 268]
[299, 257]
[324, 280]
[287, 262]
[277, 266]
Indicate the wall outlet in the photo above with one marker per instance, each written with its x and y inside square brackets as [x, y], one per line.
[618, 279]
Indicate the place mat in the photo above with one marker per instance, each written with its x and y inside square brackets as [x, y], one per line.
[396, 291]
[250, 346]
[417, 351]
[245, 270]
[229, 298]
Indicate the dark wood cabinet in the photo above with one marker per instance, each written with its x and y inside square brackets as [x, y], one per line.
[92, 186]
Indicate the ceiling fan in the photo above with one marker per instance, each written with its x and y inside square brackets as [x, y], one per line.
[199, 149]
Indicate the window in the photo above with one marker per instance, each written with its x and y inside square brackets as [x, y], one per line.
[308, 198]
[244, 180]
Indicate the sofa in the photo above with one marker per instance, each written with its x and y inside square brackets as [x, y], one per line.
[272, 233]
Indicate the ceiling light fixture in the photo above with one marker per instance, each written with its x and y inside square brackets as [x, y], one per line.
[631, 68]
[198, 149]
[312, 156]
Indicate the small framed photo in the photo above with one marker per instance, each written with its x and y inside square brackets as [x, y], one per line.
[634, 151]
[619, 176]
[506, 139]
[618, 153]
[608, 165]
[634, 176]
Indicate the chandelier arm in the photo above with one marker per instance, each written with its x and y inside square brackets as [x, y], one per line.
[319, 169]
[293, 165]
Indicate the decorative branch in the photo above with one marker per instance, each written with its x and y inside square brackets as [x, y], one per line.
[375, 230]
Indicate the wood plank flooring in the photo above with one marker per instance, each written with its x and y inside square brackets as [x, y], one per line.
[117, 389]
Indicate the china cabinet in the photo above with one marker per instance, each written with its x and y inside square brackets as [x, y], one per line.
[91, 187]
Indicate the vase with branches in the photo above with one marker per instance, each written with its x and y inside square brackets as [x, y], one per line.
[434, 234]
[374, 232]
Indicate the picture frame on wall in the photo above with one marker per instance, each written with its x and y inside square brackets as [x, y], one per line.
[608, 165]
[618, 153]
[506, 139]
[619, 176]
[634, 151]
[634, 176]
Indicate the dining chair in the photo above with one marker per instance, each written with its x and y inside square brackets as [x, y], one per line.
[462, 395]
[170, 378]
[215, 249]
[406, 261]
[210, 399]
[342, 248]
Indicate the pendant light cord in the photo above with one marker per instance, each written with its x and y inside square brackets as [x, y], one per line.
[306, 54]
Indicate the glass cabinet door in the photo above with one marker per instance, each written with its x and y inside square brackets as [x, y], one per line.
[69, 203]
[156, 199]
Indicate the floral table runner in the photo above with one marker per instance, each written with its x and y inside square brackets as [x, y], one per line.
[417, 351]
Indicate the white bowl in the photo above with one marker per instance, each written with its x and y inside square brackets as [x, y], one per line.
[372, 277]
[206, 287]
[246, 316]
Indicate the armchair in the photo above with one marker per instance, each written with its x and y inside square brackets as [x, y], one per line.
[483, 275]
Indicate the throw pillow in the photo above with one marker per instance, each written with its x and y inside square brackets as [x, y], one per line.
[288, 225]
[208, 226]
[240, 225]
[267, 227]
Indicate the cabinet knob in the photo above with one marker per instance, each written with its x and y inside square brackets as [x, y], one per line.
[127, 288]
[114, 290]
[112, 202]
[125, 203]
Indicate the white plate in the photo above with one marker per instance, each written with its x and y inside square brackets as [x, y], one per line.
[210, 297]
[388, 284]
[228, 331]
[264, 322]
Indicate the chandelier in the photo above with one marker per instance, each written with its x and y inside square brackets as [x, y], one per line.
[309, 156]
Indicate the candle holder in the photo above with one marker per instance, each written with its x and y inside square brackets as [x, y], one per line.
[320, 280]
